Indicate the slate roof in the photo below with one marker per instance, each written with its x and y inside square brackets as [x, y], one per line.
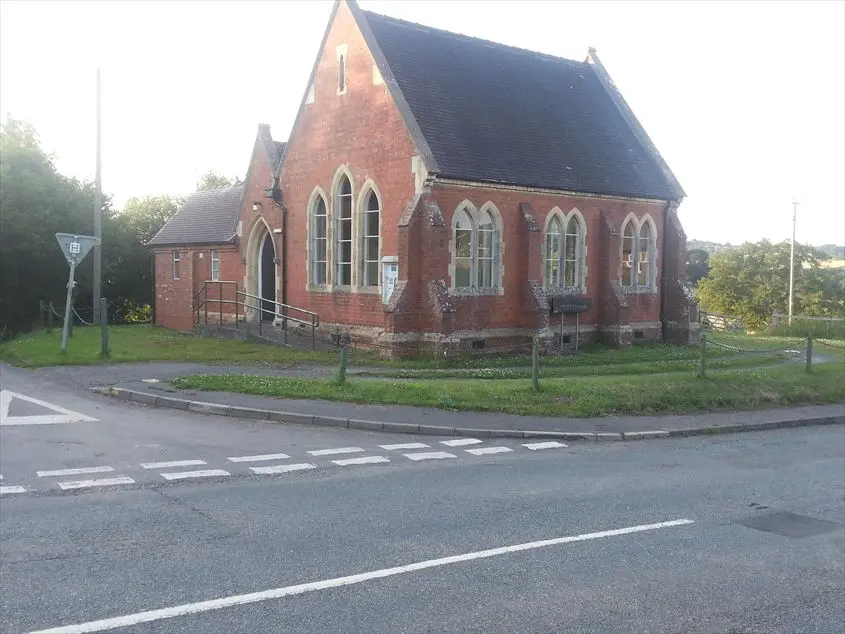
[495, 113]
[207, 217]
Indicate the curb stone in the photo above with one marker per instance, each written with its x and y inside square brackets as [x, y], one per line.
[408, 428]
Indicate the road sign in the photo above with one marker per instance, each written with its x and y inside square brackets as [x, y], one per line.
[74, 246]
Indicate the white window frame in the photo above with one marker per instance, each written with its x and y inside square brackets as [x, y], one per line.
[640, 281]
[580, 261]
[496, 261]
[339, 240]
[214, 265]
[369, 189]
[317, 197]
[176, 259]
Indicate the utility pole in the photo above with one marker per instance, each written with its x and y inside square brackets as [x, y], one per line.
[792, 259]
[98, 219]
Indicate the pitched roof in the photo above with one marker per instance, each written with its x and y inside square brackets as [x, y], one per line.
[494, 113]
[207, 217]
[275, 149]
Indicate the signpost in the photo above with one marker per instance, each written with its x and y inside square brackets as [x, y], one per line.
[75, 248]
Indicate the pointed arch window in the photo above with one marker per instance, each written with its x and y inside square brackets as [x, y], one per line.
[341, 73]
[565, 240]
[344, 232]
[639, 248]
[371, 240]
[476, 238]
[319, 242]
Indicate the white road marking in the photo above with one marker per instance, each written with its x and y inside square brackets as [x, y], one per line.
[485, 450]
[102, 482]
[535, 446]
[67, 472]
[364, 460]
[430, 455]
[460, 442]
[282, 468]
[1, 476]
[289, 591]
[405, 445]
[331, 452]
[183, 475]
[267, 456]
[174, 463]
[62, 416]
[12, 489]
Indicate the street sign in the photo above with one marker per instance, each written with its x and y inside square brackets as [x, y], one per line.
[74, 246]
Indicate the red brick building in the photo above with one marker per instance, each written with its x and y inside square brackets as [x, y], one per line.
[438, 189]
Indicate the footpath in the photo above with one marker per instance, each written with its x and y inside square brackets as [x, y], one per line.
[146, 384]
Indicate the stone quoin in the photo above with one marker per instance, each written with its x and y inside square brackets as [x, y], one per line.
[438, 190]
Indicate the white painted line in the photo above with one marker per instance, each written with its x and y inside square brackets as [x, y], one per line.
[536, 446]
[174, 463]
[282, 468]
[405, 445]
[481, 451]
[460, 442]
[67, 472]
[62, 416]
[365, 460]
[267, 456]
[289, 591]
[331, 452]
[183, 475]
[1, 476]
[9, 489]
[102, 482]
[430, 455]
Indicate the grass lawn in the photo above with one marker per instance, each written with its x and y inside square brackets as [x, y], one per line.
[591, 396]
[145, 343]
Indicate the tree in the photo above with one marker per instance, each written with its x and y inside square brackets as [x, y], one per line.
[145, 216]
[752, 281]
[697, 265]
[213, 180]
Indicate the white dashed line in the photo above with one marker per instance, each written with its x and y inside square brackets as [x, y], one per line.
[365, 460]
[102, 482]
[431, 455]
[282, 468]
[534, 446]
[183, 475]
[331, 452]
[460, 442]
[10, 490]
[268, 456]
[406, 445]
[481, 451]
[67, 472]
[174, 463]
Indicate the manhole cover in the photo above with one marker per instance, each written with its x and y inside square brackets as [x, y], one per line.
[790, 524]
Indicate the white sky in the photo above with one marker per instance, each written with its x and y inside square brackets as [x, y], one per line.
[746, 101]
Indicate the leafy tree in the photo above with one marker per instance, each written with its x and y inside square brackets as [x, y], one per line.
[213, 180]
[697, 265]
[752, 281]
[145, 216]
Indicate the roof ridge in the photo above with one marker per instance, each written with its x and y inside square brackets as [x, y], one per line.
[513, 49]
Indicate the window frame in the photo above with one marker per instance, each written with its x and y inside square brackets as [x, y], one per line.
[578, 265]
[176, 259]
[342, 200]
[366, 257]
[313, 281]
[641, 281]
[214, 259]
[475, 260]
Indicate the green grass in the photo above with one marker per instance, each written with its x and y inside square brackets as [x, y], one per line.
[146, 343]
[592, 396]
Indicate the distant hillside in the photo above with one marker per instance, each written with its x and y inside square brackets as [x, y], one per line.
[836, 252]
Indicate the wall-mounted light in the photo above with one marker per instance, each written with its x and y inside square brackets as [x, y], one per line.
[256, 206]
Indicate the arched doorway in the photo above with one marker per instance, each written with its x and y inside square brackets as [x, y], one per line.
[267, 278]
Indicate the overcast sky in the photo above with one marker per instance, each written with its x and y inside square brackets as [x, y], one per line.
[746, 101]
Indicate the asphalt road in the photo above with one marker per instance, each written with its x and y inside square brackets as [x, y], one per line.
[742, 533]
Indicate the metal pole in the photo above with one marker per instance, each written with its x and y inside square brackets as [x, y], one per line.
[702, 357]
[67, 303]
[104, 327]
[98, 218]
[535, 363]
[809, 353]
[220, 300]
[792, 259]
[577, 329]
[560, 337]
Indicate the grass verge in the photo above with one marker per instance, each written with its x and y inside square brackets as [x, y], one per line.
[593, 396]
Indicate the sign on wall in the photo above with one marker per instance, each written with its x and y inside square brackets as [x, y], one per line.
[389, 276]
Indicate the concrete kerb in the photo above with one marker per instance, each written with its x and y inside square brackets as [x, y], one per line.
[218, 409]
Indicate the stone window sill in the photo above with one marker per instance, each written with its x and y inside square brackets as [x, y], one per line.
[565, 290]
[476, 292]
[639, 290]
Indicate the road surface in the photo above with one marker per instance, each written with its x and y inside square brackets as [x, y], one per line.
[118, 518]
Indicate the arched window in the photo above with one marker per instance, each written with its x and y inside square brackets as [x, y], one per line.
[639, 247]
[318, 241]
[343, 211]
[485, 255]
[565, 250]
[464, 273]
[371, 239]
[341, 73]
